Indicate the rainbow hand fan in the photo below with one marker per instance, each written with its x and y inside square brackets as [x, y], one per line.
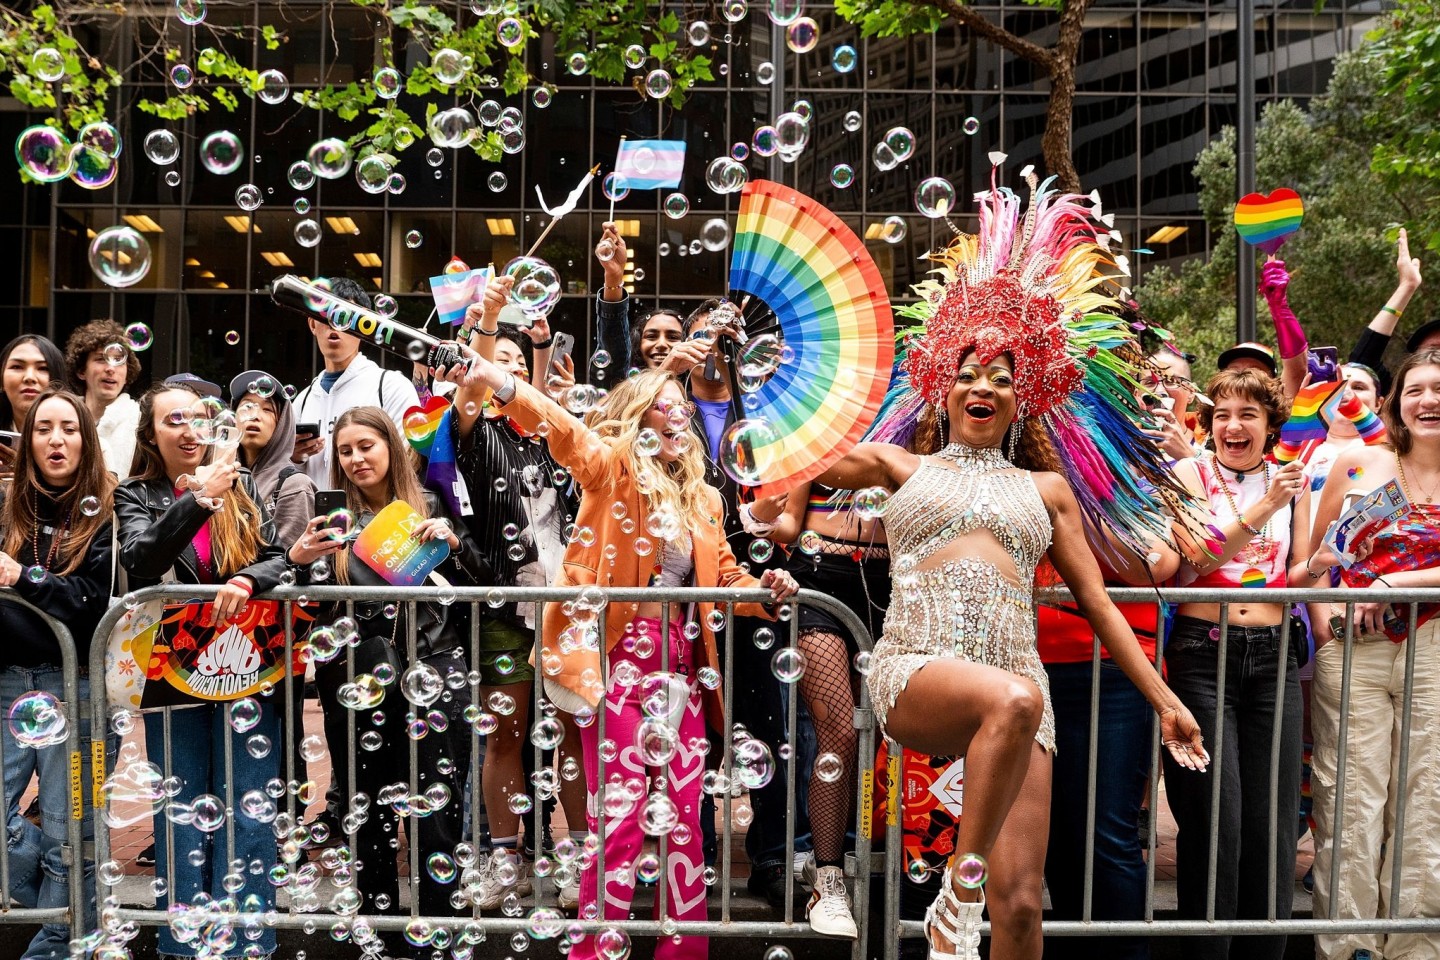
[834, 313]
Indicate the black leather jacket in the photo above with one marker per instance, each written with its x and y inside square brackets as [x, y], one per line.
[157, 527]
[439, 628]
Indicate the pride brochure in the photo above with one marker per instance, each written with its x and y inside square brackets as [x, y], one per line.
[388, 546]
[1366, 517]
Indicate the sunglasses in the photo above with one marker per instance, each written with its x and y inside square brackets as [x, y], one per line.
[670, 409]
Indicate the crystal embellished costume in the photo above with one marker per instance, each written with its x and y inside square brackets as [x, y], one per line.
[963, 608]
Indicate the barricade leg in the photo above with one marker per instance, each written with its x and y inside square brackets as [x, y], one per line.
[1420, 851]
[443, 828]
[1372, 718]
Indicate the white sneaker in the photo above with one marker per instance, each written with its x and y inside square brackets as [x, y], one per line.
[805, 869]
[502, 874]
[569, 894]
[829, 910]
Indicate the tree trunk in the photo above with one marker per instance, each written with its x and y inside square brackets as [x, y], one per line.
[1056, 144]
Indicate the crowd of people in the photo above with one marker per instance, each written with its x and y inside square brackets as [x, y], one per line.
[107, 493]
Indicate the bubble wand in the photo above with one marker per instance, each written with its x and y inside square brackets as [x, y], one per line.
[615, 188]
[562, 209]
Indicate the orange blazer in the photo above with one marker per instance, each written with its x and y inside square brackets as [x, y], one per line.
[604, 478]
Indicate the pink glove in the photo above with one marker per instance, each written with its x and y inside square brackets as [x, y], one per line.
[1274, 278]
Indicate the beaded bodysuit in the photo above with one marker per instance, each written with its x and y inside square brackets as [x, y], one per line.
[964, 607]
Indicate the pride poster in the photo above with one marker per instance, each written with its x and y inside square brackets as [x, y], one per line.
[388, 546]
[195, 661]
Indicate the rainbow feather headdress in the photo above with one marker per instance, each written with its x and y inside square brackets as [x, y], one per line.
[1043, 286]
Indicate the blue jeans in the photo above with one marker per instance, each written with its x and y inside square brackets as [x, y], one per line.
[1122, 765]
[1247, 708]
[197, 757]
[38, 875]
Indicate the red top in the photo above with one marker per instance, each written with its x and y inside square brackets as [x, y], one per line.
[1064, 636]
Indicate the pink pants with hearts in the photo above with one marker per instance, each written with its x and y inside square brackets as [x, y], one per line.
[624, 840]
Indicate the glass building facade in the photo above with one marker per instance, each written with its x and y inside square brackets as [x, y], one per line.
[1156, 80]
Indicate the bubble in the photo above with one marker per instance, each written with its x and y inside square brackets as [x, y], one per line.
[497, 181]
[120, 256]
[413, 239]
[744, 453]
[658, 83]
[871, 502]
[244, 714]
[635, 56]
[971, 871]
[726, 175]
[248, 197]
[312, 748]
[802, 35]
[274, 88]
[658, 815]
[829, 768]
[232, 337]
[307, 233]
[901, 141]
[893, 230]
[387, 83]
[139, 337]
[221, 152]
[785, 12]
[92, 169]
[779, 952]
[329, 159]
[537, 285]
[765, 73]
[971, 126]
[510, 32]
[844, 59]
[44, 153]
[37, 718]
[613, 943]
[301, 175]
[162, 147]
[884, 157]
[577, 63]
[48, 64]
[853, 121]
[422, 684]
[172, 178]
[372, 173]
[542, 97]
[452, 128]
[190, 12]
[181, 76]
[754, 764]
[489, 113]
[842, 175]
[715, 234]
[764, 142]
[788, 664]
[934, 197]
[209, 813]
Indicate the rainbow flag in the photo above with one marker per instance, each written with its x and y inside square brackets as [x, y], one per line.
[650, 164]
[1267, 220]
[1370, 426]
[453, 292]
[1306, 429]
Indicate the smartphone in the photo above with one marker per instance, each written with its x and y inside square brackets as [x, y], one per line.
[10, 439]
[307, 430]
[328, 501]
[1324, 364]
[564, 345]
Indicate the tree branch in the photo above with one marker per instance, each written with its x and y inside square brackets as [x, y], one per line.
[996, 34]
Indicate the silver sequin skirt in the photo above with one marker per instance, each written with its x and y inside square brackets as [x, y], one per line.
[963, 609]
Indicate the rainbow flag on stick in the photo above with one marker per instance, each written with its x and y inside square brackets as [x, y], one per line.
[1306, 429]
[650, 164]
[453, 292]
[1370, 426]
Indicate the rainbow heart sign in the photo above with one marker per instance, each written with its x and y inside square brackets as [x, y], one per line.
[1267, 220]
[421, 423]
[388, 546]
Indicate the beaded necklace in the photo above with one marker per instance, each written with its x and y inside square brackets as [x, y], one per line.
[60, 534]
[1225, 486]
[981, 459]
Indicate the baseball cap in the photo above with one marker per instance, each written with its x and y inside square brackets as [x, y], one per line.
[1421, 332]
[1248, 351]
[242, 384]
[204, 387]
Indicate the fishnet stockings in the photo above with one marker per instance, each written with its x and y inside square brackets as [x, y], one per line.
[825, 685]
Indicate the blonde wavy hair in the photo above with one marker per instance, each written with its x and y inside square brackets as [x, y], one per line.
[678, 486]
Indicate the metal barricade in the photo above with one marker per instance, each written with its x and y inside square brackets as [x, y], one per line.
[894, 870]
[473, 923]
[77, 712]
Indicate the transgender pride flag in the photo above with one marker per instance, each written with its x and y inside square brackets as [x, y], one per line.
[648, 164]
[453, 292]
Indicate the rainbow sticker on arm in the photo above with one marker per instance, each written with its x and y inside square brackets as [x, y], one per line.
[388, 546]
[1266, 221]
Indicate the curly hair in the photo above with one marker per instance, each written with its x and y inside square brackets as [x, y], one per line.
[1250, 385]
[95, 336]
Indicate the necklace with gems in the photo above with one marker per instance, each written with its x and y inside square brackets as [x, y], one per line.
[986, 458]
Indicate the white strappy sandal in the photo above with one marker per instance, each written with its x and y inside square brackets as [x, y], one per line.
[955, 921]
